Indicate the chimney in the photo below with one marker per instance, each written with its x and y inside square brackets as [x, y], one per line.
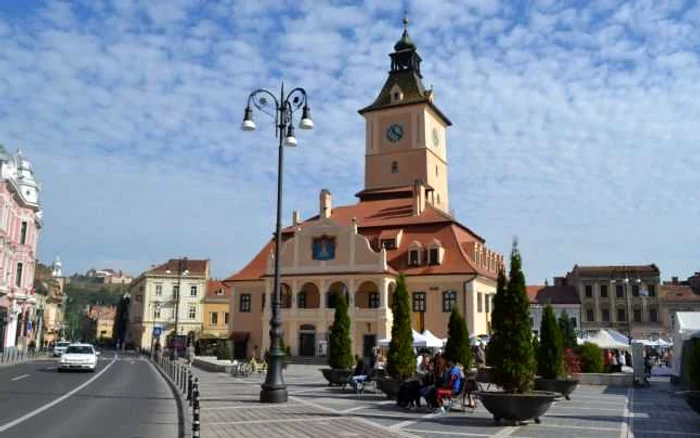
[324, 204]
[559, 281]
[418, 197]
[296, 218]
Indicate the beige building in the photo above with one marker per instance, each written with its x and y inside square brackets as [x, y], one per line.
[624, 298]
[216, 310]
[154, 300]
[562, 298]
[400, 225]
[98, 323]
[678, 296]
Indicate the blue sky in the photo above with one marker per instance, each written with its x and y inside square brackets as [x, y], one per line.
[575, 123]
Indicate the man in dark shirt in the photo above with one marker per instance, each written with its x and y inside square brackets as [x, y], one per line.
[360, 373]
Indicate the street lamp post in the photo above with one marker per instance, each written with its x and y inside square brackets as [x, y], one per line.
[628, 300]
[274, 390]
[156, 309]
[181, 269]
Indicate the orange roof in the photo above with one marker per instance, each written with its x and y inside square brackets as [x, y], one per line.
[171, 267]
[544, 294]
[669, 292]
[386, 217]
[218, 289]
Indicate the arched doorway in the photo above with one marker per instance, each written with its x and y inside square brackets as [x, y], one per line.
[307, 340]
[336, 289]
[308, 297]
[367, 296]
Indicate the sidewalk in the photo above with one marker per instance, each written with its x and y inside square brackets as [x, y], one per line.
[230, 408]
[8, 360]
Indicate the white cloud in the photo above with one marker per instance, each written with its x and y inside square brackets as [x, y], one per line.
[575, 125]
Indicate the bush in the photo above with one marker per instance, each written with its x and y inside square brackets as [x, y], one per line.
[458, 347]
[550, 360]
[695, 366]
[510, 348]
[591, 357]
[339, 345]
[568, 331]
[223, 352]
[401, 362]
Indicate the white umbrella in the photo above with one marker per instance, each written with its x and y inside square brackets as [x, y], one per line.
[431, 340]
[418, 340]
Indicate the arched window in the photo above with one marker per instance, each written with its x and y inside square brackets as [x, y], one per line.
[308, 297]
[336, 290]
[415, 254]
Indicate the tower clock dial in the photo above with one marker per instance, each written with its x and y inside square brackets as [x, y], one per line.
[436, 137]
[394, 133]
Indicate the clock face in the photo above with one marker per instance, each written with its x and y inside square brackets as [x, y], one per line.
[394, 132]
[436, 137]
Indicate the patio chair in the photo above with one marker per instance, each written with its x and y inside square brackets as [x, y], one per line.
[371, 380]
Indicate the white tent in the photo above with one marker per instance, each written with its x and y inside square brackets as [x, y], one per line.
[606, 341]
[418, 340]
[687, 327]
[432, 341]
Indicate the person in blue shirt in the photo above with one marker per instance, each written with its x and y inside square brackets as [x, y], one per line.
[452, 386]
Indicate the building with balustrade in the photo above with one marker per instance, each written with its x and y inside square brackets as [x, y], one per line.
[20, 225]
[401, 224]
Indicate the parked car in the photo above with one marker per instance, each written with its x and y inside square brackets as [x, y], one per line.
[60, 348]
[78, 357]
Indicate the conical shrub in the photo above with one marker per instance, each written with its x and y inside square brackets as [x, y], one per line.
[339, 344]
[550, 354]
[401, 362]
[458, 348]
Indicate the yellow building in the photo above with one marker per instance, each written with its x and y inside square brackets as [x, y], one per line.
[216, 310]
[400, 225]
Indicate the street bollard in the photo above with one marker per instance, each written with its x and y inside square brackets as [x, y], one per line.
[195, 409]
[189, 386]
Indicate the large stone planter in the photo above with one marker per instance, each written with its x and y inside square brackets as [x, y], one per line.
[336, 376]
[563, 386]
[517, 408]
[389, 386]
[693, 400]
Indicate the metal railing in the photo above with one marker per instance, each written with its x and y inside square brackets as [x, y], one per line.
[188, 385]
[15, 355]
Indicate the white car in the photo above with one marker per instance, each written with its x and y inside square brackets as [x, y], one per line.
[78, 357]
[60, 348]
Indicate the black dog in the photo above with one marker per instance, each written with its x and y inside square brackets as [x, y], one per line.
[409, 394]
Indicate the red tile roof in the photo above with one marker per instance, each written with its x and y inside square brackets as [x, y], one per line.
[213, 286]
[386, 217]
[195, 267]
[542, 294]
[620, 270]
[668, 292]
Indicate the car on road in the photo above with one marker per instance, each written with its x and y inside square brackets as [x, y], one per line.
[78, 357]
[60, 348]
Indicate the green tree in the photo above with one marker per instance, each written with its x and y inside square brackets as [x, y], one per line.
[510, 348]
[223, 351]
[339, 346]
[401, 362]
[550, 354]
[568, 331]
[458, 348]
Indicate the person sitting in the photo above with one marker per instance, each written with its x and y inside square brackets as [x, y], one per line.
[360, 373]
[452, 387]
[432, 380]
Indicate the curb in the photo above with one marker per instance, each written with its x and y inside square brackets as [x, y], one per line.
[183, 425]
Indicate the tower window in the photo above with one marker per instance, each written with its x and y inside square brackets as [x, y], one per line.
[436, 170]
[438, 198]
[394, 167]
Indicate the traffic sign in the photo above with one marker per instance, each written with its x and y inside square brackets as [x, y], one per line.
[157, 331]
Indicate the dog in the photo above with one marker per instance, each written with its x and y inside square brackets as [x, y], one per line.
[409, 394]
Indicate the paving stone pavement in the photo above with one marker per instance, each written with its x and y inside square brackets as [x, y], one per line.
[230, 408]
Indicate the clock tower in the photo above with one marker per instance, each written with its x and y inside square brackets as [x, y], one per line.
[405, 132]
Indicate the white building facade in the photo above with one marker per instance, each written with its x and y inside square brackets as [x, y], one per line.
[20, 225]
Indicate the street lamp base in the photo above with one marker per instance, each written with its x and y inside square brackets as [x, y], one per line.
[273, 394]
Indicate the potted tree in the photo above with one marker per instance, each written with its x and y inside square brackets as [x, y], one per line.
[550, 358]
[458, 347]
[339, 346]
[512, 352]
[401, 362]
[692, 397]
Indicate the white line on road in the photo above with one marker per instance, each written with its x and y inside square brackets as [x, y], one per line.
[19, 377]
[626, 426]
[38, 411]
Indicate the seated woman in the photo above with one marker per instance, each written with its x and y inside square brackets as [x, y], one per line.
[452, 387]
[360, 374]
[433, 380]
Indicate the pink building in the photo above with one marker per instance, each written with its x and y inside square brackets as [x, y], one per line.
[20, 223]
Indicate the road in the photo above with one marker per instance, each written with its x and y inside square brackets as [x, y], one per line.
[124, 397]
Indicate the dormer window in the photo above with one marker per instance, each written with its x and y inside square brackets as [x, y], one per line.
[396, 94]
[436, 253]
[219, 292]
[388, 243]
[414, 254]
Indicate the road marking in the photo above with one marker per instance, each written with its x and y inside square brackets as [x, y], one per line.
[626, 426]
[508, 431]
[20, 377]
[441, 432]
[50, 368]
[41, 409]
[218, 408]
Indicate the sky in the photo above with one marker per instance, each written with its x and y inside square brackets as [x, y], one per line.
[575, 123]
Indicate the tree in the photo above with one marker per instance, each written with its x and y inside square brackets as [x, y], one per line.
[458, 348]
[223, 352]
[568, 332]
[510, 348]
[591, 357]
[550, 354]
[339, 346]
[401, 362]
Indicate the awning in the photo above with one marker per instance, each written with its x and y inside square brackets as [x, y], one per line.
[239, 336]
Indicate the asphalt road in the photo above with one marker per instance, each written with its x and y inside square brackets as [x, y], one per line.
[124, 398]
